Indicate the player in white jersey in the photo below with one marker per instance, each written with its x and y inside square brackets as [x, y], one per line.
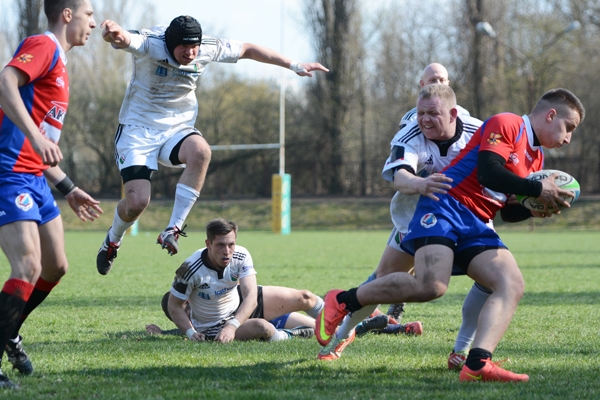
[215, 295]
[418, 152]
[156, 121]
[433, 73]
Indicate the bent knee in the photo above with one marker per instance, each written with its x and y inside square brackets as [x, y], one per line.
[432, 291]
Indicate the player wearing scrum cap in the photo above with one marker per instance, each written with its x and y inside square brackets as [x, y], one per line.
[156, 122]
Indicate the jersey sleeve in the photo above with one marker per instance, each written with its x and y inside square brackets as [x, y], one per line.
[402, 154]
[499, 135]
[246, 266]
[185, 279]
[35, 56]
[223, 50]
[138, 44]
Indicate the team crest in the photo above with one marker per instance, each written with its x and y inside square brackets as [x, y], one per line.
[234, 277]
[428, 220]
[25, 58]
[494, 138]
[121, 159]
[24, 201]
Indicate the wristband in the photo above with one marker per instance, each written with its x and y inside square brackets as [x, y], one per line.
[234, 322]
[296, 67]
[190, 332]
[65, 186]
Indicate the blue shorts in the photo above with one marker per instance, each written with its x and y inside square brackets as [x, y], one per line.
[26, 197]
[449, 219]
[279, 322]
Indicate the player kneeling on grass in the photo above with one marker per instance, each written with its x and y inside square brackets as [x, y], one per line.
[215, 296]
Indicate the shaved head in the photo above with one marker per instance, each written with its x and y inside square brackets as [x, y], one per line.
[434, 73]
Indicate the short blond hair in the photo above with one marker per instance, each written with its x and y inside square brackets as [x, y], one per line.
[441, 91]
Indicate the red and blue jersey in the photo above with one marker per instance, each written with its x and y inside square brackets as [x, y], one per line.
[46, 97]
[507, 135]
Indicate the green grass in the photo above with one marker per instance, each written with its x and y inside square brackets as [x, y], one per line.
[87, 340]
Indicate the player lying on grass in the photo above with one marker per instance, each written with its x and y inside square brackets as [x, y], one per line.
[294, 324]
[449, 227]
[217, 285]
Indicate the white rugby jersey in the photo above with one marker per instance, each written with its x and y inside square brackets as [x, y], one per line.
[411, 148]
[412, 115]
[161, 92]
[212, 294]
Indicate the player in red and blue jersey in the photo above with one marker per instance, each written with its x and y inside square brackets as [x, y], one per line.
[34, 96]
[453, 231]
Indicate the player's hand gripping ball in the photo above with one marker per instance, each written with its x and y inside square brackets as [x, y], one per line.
[563, 181]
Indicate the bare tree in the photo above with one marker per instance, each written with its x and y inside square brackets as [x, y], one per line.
[331, 27]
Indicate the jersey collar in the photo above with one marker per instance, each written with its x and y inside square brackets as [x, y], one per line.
[63, 56]
[530, 133]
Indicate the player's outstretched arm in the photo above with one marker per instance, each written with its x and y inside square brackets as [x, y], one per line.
[180, 318]
[83, 205]
[114, 34]
[269, 56]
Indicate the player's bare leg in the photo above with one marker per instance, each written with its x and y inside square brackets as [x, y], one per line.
[280, 300]
[54, 267]
[128, 210]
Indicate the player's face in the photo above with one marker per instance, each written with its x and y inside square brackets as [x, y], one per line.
[436, 77]
[220, 250]
[186, 53]
[559, 129]
[81, 24]
[435, 119]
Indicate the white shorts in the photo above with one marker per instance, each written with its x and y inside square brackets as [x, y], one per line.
[137, 145]
[396, 237]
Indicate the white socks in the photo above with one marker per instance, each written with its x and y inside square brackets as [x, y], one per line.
[350, 321]
[185, 197]
[118, 229]
[314, 312]
[278, 336]
[471, 308]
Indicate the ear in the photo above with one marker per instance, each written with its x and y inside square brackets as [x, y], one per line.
[422, 83]
[206, 242]
[551, 114]
[454, 113]
[67, 15]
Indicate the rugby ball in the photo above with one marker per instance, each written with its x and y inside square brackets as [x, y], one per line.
[563, 181]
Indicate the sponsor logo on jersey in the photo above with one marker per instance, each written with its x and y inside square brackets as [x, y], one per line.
[494, 139]
[25, 58]
[514, 158]
[60, 82]
[223, 291]
[429, 160]
[204, 286]
[2, 213]
[528, 156]
[428, 220]
[24, 201]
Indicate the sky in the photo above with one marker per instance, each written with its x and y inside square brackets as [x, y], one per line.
[254, 21]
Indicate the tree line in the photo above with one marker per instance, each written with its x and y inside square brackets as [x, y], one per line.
[339, 124]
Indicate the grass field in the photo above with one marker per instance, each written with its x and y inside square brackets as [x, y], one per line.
[87, 341]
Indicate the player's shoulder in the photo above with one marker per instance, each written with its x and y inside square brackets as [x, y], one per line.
[470, 124]
[190, 267]
[240, 254]
[411, 133]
